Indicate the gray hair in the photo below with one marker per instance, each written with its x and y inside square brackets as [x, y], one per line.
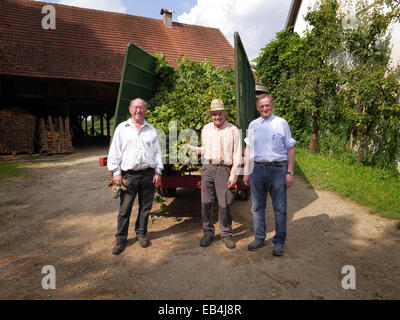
[263, 96]
[138, 99]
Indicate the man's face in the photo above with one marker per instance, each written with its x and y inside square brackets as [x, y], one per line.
[265, 107]
[218, 117]
[137, 109]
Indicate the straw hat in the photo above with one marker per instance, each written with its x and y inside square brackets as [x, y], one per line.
[217, 105]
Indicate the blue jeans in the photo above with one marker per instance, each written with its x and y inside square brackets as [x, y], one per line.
[270, 179]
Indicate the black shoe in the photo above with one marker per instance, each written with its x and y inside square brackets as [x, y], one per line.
[255, 245]
[144, 242]
[229, 243]
[206, 240]
[278, 250]
[118, 248]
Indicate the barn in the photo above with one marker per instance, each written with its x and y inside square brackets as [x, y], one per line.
[54, 78]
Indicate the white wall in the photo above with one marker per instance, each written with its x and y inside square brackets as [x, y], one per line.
[395, 43]
[300, 25]
[394, 29]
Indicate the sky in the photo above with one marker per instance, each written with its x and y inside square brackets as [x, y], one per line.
[257, 21]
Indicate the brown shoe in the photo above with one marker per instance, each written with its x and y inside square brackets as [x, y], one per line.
[206, 240]
[144, 242]
[118, 248]
[229, 243]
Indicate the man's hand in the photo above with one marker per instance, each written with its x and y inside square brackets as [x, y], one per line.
[246, 180]
[117, 179]
[157, 179]
[289, 180]
[231, 182]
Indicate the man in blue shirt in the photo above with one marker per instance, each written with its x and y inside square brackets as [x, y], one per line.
[269, 166]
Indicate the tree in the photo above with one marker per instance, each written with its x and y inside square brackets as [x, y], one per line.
[371, 87]
[301, 73]
[277, 66]
[320, 79]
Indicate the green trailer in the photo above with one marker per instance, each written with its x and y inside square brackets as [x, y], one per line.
[138, 80]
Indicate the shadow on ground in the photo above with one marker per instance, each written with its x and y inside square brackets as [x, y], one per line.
[67, 218]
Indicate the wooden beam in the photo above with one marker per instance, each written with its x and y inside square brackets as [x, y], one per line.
[92, 133]
[101, 125]
[293, 12]
[108, 126]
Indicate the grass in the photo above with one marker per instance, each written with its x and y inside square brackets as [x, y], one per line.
[373, 187]
[10, 203]
[9, 170]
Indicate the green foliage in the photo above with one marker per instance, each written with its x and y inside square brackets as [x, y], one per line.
[300, 75]
[334, 85]
[184, 95]
[163, 207]
[370, 99]
[278, 68]
[278, 58]
[370, 104]
[393, 14]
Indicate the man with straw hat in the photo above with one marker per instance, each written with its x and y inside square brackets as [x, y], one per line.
[222, 153]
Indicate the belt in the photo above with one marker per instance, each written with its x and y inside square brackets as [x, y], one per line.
[221, 164]
[274, 163]
[135, 172]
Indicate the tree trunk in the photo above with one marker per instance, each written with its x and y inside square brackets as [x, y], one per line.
[314, 137]
[351, 140]
[362, 148]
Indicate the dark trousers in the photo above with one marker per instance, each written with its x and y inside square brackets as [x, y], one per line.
[139, 183]
[214, 187]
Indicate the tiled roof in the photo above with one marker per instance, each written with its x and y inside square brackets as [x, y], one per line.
[90, 44]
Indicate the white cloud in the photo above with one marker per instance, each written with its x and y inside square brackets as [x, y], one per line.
[257, 21]
[106, 5]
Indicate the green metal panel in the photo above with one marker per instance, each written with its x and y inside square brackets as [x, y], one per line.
[245, 86]
[138, 80]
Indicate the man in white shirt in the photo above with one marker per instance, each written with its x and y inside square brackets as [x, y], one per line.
[135, 158]
[222, 151]
[270, 147]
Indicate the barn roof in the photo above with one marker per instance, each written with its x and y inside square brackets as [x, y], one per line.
[90, 44]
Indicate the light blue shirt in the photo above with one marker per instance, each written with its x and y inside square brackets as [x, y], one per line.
[269, 139]
[133, 149]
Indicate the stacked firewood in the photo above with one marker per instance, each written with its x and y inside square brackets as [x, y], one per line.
[54, 135]
[17, 131]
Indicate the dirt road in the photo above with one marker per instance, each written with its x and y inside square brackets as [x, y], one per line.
[63, 215]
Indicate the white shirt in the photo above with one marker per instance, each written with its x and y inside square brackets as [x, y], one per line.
[269, 139]
[133, 149]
